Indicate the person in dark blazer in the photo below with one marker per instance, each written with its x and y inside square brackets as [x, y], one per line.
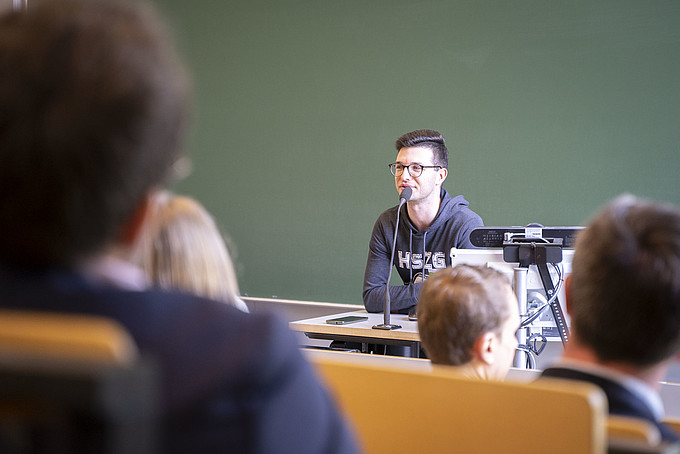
[93, 107]
[623, 296]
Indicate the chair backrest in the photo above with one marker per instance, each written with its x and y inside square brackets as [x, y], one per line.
[78, 337]
[673, 423]
[627, 435]
[73, 383]
[629, 446]
[629, 428]
[410, 410]
[400, 362]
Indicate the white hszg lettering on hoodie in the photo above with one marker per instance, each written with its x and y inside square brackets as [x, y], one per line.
[433, 261]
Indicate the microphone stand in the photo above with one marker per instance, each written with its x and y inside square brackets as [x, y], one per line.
[386, 325]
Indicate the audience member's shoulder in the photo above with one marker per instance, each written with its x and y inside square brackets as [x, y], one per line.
[172, 316]
[265, 332]
[209, 338]
[184, 307]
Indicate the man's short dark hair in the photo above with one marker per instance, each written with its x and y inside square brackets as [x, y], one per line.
[93, 103]
[456, 306]
[625, 282]
[427, 138]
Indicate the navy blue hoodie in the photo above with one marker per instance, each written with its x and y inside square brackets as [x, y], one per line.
[450, 229]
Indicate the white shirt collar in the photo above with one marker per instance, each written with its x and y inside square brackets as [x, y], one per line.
[112, 271]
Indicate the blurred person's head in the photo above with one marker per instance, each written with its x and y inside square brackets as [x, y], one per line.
[181, 248]
[468, 316]
[93, 106]
[623, 294]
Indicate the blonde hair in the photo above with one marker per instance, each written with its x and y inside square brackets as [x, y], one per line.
[183, 249]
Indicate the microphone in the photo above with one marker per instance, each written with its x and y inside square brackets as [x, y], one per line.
[404, 197]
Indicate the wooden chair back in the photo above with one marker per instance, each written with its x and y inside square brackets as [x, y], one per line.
[406, 410]
[73, 383]
[628, 428]
[673, 423]
[44, 335]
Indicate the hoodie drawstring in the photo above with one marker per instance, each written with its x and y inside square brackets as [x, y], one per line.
[424, 257]
[410, 254]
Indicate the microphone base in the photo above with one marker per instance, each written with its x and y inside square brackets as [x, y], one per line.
[385, 327]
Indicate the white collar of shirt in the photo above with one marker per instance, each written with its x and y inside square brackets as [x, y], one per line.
[112, 271]
[636, 386]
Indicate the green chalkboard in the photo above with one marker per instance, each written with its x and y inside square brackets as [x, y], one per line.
[549, 108]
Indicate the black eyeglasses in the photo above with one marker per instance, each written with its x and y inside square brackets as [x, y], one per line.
[415, 170]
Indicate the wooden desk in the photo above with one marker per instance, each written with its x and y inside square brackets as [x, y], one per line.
[363, 332]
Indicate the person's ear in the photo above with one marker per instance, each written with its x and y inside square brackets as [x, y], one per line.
[441, 175]
[485, 347]
[132, 228]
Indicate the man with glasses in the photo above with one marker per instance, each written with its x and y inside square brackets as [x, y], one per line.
[430, 223]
